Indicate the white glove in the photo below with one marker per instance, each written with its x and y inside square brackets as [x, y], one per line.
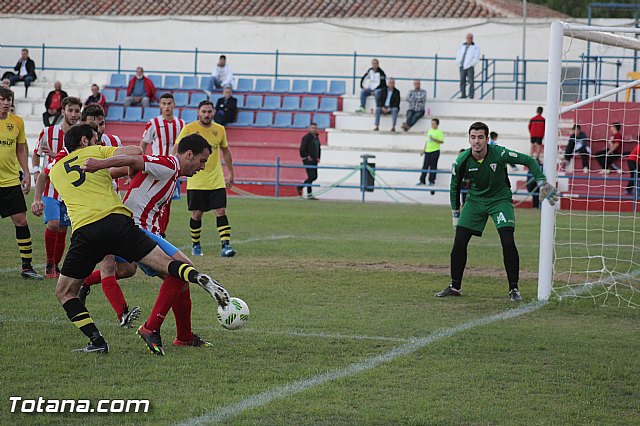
[455, 214]
[548, 192]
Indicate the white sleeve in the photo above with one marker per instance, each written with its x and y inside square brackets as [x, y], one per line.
[459, 55]
[149, 134]
[159, 167]
[229, 79]
[476, 55]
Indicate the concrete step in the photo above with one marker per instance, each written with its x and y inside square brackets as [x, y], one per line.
[467, 108]
[388, 159]
[412, 142]
[365, 121]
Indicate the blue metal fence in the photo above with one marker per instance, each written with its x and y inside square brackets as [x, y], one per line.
[493, 75]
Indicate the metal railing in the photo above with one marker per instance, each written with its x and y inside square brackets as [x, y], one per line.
[494, 75]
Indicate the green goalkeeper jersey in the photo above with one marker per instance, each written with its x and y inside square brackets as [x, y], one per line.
[488, 179]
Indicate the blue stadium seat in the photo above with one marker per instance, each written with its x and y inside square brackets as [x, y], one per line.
[189, 82]
[328, 104]
[245, 85]
[121, 95]
[245, 119]
[262, 85]
[172, 82]
[240, 99]
[281, 86]
[189, 115]
[309, 103]
[271, 102]
[319, 87]
[291, 103]
[253, 102]
[196, 98]
[204, 83]
[150, 113]
[216, 96]
[181, 98]
[300, 86]
[283, 120]
[118, 80]
[109, 95]
[322, 120]
[115, 113]
[264, 119]
[337, 87]
[301, 121]
[157, 80]
[158, 94]
[133, 114]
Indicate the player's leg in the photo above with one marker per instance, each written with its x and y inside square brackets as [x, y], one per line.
[110, 270]
[218, 203]
[472, 221]
[61, 237]
[12, 205]
[503, 216]
[196, 203]
[52, 215]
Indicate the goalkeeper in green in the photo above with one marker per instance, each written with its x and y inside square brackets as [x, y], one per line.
[489, 195]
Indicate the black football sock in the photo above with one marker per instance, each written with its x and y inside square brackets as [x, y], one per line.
[80, 317]
[459, 256]
[195, 226]
[183, 271]
[224, 230]
[510, 256]
[23, 238]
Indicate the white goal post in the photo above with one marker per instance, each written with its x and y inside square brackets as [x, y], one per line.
[618, 37]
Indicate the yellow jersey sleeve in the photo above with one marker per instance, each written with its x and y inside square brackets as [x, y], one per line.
[11, 135]
[89, 197]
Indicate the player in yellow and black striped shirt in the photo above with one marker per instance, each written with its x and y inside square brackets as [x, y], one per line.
[13, 156]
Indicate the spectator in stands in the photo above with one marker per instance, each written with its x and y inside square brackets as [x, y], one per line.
[431, 152]
[53, 105]
[578, 144]
[388, 102]
[226, 108]
[417, 99]
[141, 90]
[25, 70]
[608, 156]
[633, 160]
[373, 82]
[222, 75]
[536, 132]
[310, 155]
[493, 138]
[467, 57]
[96, 97]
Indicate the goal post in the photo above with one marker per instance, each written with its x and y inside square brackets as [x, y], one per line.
[581, 247]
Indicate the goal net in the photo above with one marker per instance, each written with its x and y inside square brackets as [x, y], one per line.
[589, 244]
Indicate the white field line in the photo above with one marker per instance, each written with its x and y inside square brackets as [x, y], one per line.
[219, 329]
[258, 400]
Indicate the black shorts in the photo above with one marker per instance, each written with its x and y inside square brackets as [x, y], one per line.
[115, 234]
[537, 141]
[206, 200]
[12, 201]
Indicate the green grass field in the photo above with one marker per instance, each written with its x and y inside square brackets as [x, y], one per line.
[344, 329]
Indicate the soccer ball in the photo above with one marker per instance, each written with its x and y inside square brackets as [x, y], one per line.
[235, 315]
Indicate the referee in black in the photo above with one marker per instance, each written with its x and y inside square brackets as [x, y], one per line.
[310, 154]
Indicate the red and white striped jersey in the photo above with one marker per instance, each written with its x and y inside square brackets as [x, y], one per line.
[110, 140]
[53, 137]
[151, 189]
[162, 134]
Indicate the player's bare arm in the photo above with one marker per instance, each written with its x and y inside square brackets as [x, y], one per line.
[228, 160]
[37, 207]
[23, 159]
[117, 162]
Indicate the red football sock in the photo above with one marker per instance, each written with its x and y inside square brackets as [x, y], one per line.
[182, 312]
[114, 295]
[169, 293]
[94, 278]
[50, 245]
[61, 241]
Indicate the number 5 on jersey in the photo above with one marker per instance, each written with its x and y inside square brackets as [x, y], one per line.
[75, 168]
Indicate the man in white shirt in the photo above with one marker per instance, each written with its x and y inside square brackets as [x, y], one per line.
[221, 76]
[467, 57]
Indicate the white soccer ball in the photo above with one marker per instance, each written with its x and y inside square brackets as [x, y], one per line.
[235, 315]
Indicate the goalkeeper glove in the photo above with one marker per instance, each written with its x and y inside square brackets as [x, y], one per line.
[548, 192]
[455, 214]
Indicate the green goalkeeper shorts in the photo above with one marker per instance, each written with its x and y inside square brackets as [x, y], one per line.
[474, 215]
